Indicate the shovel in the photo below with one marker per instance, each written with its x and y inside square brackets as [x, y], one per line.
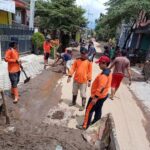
[5, 107]
[27, 78]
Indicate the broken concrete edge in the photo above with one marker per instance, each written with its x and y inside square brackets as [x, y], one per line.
[105, 131]
[114, 142]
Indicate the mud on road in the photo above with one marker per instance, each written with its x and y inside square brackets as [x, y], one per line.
[31, 133]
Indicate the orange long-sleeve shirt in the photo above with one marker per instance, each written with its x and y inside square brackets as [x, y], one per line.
[101, 85]
[47, 47]
[11, 56]
[82, 70]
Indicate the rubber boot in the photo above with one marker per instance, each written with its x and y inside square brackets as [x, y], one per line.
[74, 98]
[83, 104]
[16, 94]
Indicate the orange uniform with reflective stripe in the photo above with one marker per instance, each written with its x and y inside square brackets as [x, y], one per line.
[47, 47]
[101, 85]
[11, 56]
[82, 70]
[99, 90]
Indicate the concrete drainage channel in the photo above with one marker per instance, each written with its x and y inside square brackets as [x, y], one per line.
[101, 135]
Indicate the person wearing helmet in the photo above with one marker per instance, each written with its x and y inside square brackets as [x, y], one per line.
[99, 93]
[12, 58]
[82, 71]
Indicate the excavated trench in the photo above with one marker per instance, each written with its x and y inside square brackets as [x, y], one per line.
[27, 130]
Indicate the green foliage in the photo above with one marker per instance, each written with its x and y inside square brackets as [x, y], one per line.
[37, 40]
[62, 15]
[119, 11]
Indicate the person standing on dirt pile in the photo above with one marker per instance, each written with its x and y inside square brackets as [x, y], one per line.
[82, 68]
[47, 48]
[120, 64]
[91, 51]
[99, 93]
[12, 58]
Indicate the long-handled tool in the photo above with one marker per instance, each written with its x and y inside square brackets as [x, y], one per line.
[27, 78]
[5, 107]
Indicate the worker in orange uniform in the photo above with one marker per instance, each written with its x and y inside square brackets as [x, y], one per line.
[99, 93]
[82, 68]
[47, 48]
[12, 57]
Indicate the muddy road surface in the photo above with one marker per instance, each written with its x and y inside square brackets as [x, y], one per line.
[28, 131]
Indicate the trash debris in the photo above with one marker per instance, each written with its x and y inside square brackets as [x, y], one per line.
[9, 129]
[59, 147]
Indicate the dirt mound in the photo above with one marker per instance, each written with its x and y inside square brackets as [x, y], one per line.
[37, 97]
[43, 138]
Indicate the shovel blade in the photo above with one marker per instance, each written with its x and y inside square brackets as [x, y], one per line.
[26, 80]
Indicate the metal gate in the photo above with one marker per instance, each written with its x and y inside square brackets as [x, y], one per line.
[23, 33]
[24, 43]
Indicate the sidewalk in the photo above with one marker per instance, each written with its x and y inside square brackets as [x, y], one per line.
[140, 88]
[33, 65]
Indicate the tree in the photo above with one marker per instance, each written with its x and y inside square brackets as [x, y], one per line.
[61, 15]
[104, 31]
[119, 11]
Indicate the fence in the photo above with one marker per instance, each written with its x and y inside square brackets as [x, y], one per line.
[23, 33]
[15, 30]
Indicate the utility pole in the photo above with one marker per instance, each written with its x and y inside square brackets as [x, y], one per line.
[32, 9]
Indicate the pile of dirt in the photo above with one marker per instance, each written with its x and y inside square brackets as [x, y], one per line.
[36, 99]
[44, 137]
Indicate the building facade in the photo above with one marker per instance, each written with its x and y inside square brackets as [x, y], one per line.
[15, 24]
[138, 35]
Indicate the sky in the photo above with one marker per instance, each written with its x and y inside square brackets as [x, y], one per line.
[93, 9]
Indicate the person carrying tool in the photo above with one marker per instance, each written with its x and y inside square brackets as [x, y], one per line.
[120, 65]
[12, 58]
[47, 48]
[82, 68]
[99, 93]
